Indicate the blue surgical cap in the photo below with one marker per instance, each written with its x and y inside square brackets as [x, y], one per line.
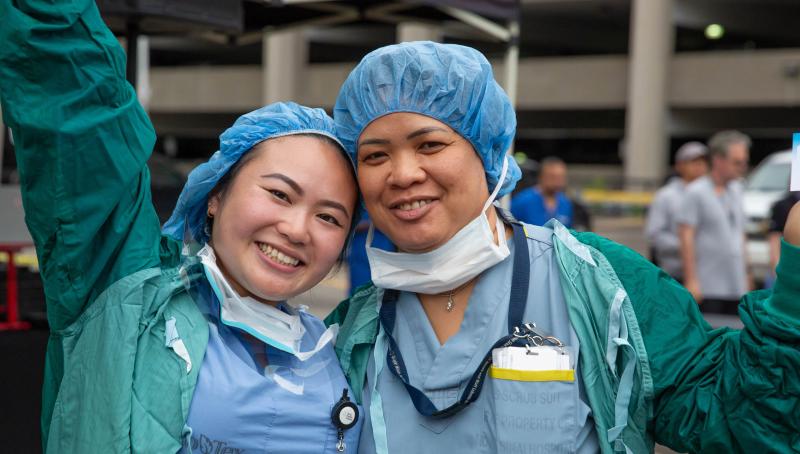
[450, 83]
[275, 120]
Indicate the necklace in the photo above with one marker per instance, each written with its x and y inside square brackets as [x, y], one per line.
[451, 303]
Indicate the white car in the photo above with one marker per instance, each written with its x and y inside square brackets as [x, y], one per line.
[766, 184]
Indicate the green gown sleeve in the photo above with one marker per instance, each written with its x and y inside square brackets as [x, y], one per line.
[82, 142]
[718, 390]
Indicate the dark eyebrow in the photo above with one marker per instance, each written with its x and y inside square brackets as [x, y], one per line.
[416, 133]
[335, 206]
[373, 142]
[422, 131]
[296, 187]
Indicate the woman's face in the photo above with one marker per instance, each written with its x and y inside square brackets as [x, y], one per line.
[421, 181]
[281, 224]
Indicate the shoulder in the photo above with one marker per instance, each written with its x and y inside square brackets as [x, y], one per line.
[608, 247]
[699, 188]
[523, 195]
[663, 194]
[537, 234]
[357, 307]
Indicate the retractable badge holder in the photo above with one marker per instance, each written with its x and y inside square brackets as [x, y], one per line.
[344, 416]
[537, 338]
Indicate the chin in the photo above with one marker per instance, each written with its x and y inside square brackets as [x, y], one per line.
[275, 293]
[418, 244]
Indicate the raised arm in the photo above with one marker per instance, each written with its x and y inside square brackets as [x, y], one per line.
[82, 142]
[718, 390]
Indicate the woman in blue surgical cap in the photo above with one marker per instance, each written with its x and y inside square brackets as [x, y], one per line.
[182, 342]
[484, 335]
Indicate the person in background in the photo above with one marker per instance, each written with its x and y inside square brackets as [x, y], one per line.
[711, 227]
[662, 218]
[538, 204]
[777, 221]
[357, 263]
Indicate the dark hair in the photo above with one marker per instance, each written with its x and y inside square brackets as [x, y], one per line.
[224, 184]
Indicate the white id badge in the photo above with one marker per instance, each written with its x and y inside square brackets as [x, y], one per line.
[533, 358]
[795, 182]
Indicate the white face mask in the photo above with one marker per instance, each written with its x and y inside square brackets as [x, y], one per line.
[262, 321]
[467, 254]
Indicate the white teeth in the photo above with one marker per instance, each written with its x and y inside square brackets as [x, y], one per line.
[417, 204]
[278, 256]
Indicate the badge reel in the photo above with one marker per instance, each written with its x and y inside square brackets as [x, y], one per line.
[344, 416]
[541, 352]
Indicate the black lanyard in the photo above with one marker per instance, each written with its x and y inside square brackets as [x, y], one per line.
[519, 294]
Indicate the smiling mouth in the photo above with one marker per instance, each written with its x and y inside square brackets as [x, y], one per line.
[415, 205]
[278, 256]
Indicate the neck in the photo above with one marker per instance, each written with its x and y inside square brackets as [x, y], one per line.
[719, 180]
[446, 323]
[546, 192]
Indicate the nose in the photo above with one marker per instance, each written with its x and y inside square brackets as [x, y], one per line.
[294, 227]
[406, 170]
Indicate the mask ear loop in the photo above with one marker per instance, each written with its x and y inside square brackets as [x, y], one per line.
[370, 234]
[497, 186]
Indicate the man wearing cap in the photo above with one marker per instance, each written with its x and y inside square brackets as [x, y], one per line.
[662, 218]
[711, 227]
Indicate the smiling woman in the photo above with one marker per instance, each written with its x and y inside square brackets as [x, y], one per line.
[482, 334]
[181, 342]
[279, 225]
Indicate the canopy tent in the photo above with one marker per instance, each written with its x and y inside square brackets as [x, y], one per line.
[243, 22]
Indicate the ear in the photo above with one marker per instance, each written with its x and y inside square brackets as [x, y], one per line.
[213, 205]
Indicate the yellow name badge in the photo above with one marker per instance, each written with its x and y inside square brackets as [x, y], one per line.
[532, 375]
[540, 363]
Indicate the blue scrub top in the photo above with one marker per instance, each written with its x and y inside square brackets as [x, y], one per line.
[509, 416]
[357, 261]
[528, 206]
[237, 408]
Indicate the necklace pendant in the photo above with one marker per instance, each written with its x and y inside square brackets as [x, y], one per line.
[450, 303]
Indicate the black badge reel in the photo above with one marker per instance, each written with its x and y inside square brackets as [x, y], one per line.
[344, 416]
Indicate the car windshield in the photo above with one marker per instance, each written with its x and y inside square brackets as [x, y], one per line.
[770, 177]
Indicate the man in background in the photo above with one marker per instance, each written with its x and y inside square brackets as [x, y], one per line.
[546, 200]
[711, 227]
[662, 218]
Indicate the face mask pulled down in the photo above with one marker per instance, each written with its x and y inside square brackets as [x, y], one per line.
[262, 321]
[467, 254]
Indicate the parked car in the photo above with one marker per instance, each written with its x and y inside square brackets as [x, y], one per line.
[766, 184]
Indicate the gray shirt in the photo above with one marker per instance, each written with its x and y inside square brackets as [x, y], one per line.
[662, 226]
[718, 220]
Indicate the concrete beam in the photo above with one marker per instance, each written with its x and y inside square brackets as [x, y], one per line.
[763, 78]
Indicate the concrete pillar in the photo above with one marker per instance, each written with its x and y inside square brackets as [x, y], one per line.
[646, 132]
[417, 31]
[284, 61]
[143, 71]
[511, 63]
